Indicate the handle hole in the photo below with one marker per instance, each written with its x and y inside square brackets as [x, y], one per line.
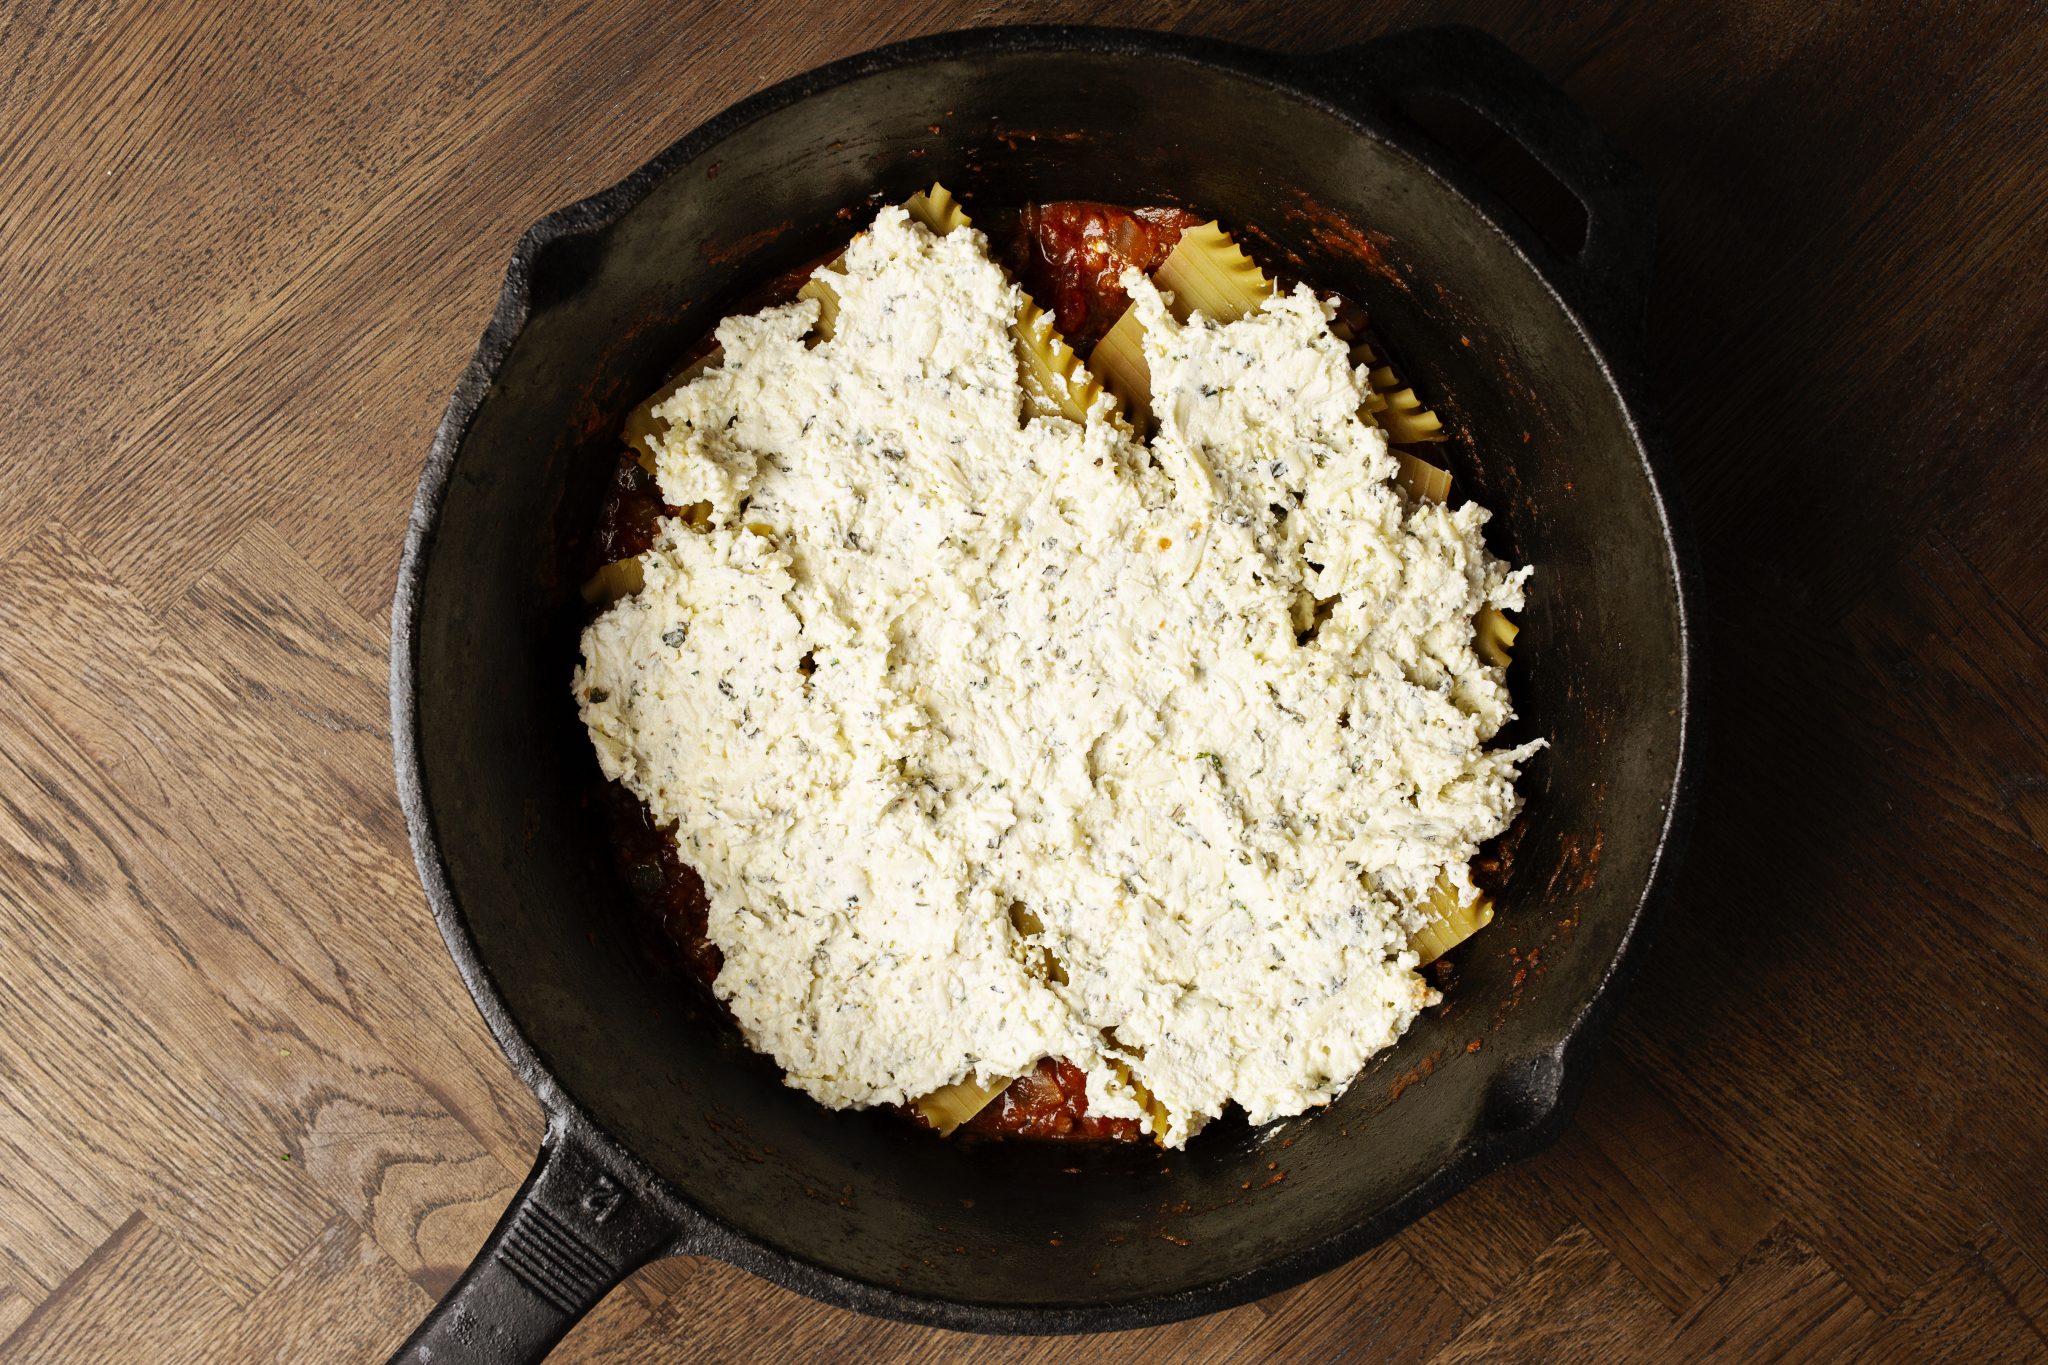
[1507, 167]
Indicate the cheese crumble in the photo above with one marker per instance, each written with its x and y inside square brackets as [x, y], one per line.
[998, 736]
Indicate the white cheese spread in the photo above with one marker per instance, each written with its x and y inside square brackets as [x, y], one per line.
[935, 658]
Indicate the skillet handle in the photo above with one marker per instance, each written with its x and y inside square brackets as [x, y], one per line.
[1608, 280]
[573, 1232]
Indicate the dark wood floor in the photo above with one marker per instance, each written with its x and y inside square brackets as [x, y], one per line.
[247, 1112]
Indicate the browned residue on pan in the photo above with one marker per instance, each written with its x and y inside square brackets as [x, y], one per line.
[1339, 236]
[1012, 137]
[1578, 865]
[1421, 1071]
[1495, 866]
[843, 1200]
[1570, 880]
[744, 246]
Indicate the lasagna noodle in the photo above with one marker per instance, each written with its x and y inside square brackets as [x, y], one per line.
[937, 209]
[1157, 1120]
[1424, 481]
[641, 427]
[1393, 405]
[1407, 421]
[1206, 272]
[1496, 634]
[620, 578]
[951, 1102]
[1210, 274]
[827, 299]
[952, 1105]
[1448, 920]
[1054, 378]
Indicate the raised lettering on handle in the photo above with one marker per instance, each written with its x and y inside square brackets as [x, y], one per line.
[572, 1232]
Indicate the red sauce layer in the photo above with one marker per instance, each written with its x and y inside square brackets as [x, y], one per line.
[1068, 256]
[668, 893]
[632, 507]
[1050, 1102]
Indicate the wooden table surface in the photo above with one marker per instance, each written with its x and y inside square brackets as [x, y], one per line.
[247, 1111]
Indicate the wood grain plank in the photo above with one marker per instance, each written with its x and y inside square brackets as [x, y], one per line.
[1802, 1011]
[621, 1330]
[60, 1201]
[1576, 1302]
[1381, 1307]
[38, 44]
[2020, 1276]
[1870, 229]
[456, 134]
[1487, 1238]
[2003, 543]
[717, 1313]
[705, 1310]
[1960, 669]
[286, 120]
[1783, 1303]
[1654, 1188]
[1223, 1339]
[291, 1089]
[15, 1307]
[310, 674]
[1963, 1312]
[138, 1297]
[208, 1171]
[212, 773]
[1961, 664]
[338, 1299]
[321, 1091]
[301, 661]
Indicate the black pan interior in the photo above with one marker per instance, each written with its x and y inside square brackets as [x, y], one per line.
[1542, 440]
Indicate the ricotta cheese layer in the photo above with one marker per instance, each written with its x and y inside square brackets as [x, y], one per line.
[998, 736]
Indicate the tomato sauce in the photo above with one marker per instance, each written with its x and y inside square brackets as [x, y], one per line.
[1049, 1102]
[667, 892]
[1067, 255]
[632, 509]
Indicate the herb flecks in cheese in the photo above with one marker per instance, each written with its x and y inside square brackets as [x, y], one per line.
[1210, 709]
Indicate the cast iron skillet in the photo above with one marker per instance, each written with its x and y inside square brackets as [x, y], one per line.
[665, 1138]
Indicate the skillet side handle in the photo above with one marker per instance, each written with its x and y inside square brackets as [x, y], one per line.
[1608, 281]
[573, 1232]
